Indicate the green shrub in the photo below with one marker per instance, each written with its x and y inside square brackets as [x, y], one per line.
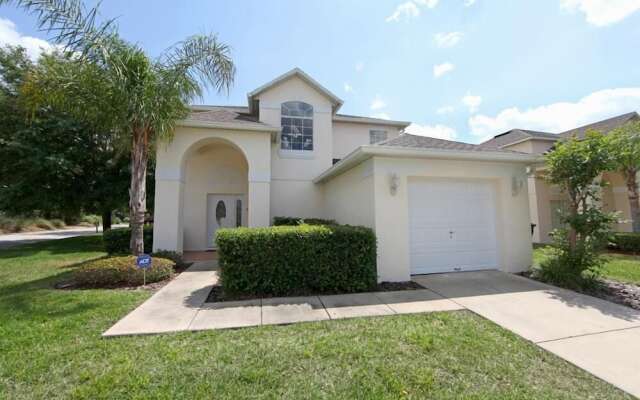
[173, 256]
[116, 241]
[626, 241]
[120, 270]
[295, 221]
[288, 260]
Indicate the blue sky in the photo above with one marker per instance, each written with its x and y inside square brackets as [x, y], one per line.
[458, 69]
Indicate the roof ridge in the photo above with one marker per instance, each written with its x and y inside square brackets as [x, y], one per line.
[621, 116]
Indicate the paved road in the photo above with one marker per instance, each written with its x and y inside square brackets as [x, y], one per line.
[15, 239]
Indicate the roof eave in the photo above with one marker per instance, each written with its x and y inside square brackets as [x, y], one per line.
[530, 138]
[227, 125]
[362, 153]
[373, 121]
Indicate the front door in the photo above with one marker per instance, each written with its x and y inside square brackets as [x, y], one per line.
[223, 211]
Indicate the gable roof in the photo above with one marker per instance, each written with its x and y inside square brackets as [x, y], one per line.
[225, 117]
[297, 72]
[517, 135]
[408, 140]
[605, 126]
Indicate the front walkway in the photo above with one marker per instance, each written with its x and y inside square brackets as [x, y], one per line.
[180, 306]
[600, 337]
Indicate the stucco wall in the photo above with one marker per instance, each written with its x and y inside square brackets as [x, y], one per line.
[347, 136]
[212, 169]
[350, 196]
[391, 211]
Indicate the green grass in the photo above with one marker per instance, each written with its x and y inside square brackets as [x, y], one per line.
[617, 267]
[50, 347]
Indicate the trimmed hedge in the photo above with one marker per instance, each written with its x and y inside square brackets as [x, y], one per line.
[116, 241]
[626, 241]
[295, 221]
[119, 270]
[289, 260]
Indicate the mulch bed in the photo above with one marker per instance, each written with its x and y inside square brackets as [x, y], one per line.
[217, 292]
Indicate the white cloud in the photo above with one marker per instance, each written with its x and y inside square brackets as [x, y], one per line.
[559, 117]
[444, 110]
[359, 66]
[441, 69]
[472, 102]
[469, 3]
[409, 9]
[348, 88]
[436, 131]
[404, 11]
[10, 36]
[602, 12]
[381, 115]
[378, 103]
[449, 39]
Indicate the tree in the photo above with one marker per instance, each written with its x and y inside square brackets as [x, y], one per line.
[53, 164]
[624, 144]
[575, 166]
[116, 85]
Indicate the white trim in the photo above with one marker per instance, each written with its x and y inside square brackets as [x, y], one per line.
[527, 139]
[356, 119]
[227, 125]
[364, 152]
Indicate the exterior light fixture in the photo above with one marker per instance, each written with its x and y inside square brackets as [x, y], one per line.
[394, 182]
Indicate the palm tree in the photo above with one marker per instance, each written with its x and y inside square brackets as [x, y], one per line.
[116, 85]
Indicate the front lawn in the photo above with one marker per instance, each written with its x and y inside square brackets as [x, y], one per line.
[618, 267]
[50, 347]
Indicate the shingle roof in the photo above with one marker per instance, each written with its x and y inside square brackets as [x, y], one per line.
[225, 115]
[604, 126]
[424, 142]
[516, 135]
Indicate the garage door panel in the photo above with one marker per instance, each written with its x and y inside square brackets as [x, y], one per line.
[452, 226]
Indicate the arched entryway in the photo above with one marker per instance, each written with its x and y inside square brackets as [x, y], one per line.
[215, 192]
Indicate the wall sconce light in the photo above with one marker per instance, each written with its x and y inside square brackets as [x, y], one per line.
[516, 185]
[394, 182]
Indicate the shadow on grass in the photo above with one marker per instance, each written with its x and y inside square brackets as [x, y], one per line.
[74, 245]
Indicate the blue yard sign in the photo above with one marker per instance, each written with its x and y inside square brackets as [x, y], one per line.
[144, 261]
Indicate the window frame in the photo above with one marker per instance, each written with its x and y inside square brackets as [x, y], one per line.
[301, 123]
[372, 132]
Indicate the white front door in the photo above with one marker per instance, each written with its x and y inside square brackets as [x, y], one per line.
[452, 226]
[223, 211]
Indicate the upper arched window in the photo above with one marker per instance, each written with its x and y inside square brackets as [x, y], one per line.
[297, 126]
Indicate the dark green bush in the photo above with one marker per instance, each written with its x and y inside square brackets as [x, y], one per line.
[295, 221]
[116, 241]
[626, 242]
[120, 270]
[289, 260]
[173, 256]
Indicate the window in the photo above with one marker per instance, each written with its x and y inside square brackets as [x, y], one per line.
[376, 136]
[297, 126]
[558, 209]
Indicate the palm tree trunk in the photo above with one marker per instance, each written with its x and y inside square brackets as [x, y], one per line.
[137, 192]
[632, 192]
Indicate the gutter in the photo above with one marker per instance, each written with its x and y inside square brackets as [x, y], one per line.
[363, 153]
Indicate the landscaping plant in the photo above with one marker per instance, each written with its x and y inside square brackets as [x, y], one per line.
[624, 143]
[114, 84]
[121, 270]
[575, 166]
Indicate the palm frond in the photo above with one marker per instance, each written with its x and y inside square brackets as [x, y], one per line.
[72, 25]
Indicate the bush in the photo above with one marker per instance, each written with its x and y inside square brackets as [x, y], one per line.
[288, 260]
[120, 270]
[295, 221]
[576, 270]
[176, 257]
[116, 241]
[626, 242]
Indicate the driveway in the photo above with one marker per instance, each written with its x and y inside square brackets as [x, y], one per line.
[596, 335]
[15, 239]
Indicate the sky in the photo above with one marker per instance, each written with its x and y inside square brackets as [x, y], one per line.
[463, 70]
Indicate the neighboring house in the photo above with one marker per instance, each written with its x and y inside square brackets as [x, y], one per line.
[548, 202]
[435, 205]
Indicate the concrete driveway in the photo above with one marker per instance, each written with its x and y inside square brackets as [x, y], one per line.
[596, 335]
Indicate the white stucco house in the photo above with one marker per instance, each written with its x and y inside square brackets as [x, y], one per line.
[435, 205]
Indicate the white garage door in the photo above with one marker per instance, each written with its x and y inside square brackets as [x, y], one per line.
[452, 226]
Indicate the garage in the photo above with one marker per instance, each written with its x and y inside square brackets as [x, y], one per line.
[452, 225]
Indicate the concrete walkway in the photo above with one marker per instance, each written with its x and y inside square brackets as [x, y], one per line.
[180, 306]
[601, 337]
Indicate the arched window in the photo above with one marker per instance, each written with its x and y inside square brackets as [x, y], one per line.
[297, 126]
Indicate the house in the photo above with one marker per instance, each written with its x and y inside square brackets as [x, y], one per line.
[435, 205]
[547, 202]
